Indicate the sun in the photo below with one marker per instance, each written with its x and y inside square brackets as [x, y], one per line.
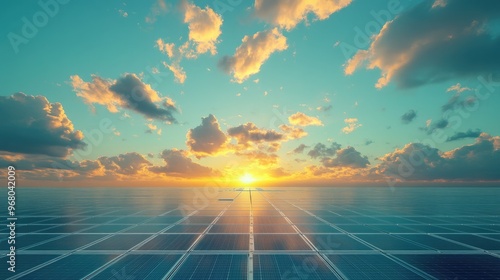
[247, 178]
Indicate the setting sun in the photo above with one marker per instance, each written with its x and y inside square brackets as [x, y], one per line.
[247, 178]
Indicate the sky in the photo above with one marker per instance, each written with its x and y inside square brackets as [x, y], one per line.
[265, 93]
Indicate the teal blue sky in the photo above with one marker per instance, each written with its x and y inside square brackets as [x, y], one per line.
[112, 38]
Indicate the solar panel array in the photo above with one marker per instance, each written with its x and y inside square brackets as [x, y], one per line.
[249, 233]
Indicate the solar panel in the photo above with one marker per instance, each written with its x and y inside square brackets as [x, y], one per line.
[139, 267]
[119, 242]
[389, 242]
[223, 242]
[336, 242]
[371, 267]
[372, 240]
[456, 266]
[213, 267]
[69, 242]
[70, 267]
[280, 242]
[291, 267]
[170, 242]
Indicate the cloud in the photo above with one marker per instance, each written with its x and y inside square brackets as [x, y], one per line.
[352, 124]
[204, 30]
[252, 54]
[478, 161]
[409, 116]
[287, 14]
[321, 150]
[153, 128]
[278, 172]
[125, 164]
[178, 71]
[433, 126]
[458, 88]
[430, 43]
[457, 101]
[462, 135]
[250, 133]
[347, 157]
[128, 92]
[293, 132]
[260, 158]
[302, 119]
[207, 138]
[158, 8]
[33, 125]
[178, 164]
[42, 167]
[204, 27]
[324, 108]
[300, 149]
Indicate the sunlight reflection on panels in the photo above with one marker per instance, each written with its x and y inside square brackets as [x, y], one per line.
[198, 220]
[233, 220]
[223, 242]
[228, 228]
[316, 228]
[280, 242]
[265, 228]
[269, 220]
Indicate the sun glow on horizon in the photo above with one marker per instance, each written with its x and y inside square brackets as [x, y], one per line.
[247, 178]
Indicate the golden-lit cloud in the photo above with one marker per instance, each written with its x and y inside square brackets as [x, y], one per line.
[288, 13]
[128, 92]
[252, 53]
[204, 27]
[158, 8]
[32, 125]
[206, 139]
[446, 47]
[351, 125]
[204, 30]
[302, 119]
[293, 132]
[179, 73]
[178, 164]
